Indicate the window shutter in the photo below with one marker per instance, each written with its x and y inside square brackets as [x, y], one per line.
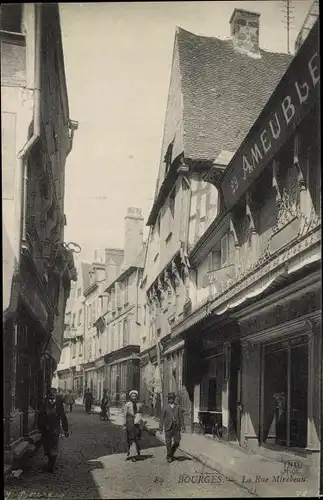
[125, 333]
[113, 299]
[126, 286]
[94, 312]
[112, 337]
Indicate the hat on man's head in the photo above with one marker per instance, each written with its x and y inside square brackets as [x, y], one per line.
[133, 392]
[171, 395]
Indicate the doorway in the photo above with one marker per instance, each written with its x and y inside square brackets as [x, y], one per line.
[234, 391]
[284, 419]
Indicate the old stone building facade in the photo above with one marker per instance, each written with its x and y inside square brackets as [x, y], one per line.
[253, 340]
[113, 310]
[37, 136]
[213, 83]
[69, 374]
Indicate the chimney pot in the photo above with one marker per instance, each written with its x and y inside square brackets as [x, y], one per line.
[245, 30]
[133, 241]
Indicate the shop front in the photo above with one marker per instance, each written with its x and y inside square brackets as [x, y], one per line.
[285, 386]
[281, 357]
[121, 373]
[220, 389]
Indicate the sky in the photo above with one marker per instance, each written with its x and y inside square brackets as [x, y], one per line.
[118, 62]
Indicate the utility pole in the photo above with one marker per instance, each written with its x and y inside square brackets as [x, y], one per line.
[288, 20]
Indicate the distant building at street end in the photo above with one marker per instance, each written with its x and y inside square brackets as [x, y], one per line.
[38, 268]
[217, 90]
[69, 374]
[113, 303]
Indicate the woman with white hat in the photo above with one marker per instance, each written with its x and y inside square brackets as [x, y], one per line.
[133, 423]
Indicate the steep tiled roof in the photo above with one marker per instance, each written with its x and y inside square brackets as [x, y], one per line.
[223, 92]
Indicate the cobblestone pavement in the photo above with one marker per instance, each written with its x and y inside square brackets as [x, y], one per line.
[92, 465]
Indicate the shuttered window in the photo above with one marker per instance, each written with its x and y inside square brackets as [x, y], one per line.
[125, 332]
[113, 299]
[94, 312]
[112, 337]
[126, 288]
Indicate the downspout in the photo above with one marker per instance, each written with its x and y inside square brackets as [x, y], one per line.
[22, 165]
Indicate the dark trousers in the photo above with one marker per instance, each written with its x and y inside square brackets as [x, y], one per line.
[175, 435]
[71, 407]
[88, 406]
[50, 443]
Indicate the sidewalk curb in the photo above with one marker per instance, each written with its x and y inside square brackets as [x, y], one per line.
[205, 459]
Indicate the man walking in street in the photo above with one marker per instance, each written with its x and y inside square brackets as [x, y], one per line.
[171, 420]
[69, 401]
[88, 400]
[105, 403]
[50, 418]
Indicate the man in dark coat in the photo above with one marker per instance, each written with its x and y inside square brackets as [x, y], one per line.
[105, 403]
[171, 421]
[88, 400]
[50, 418]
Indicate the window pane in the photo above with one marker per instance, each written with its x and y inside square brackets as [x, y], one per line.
[10, 17]
[275, 398]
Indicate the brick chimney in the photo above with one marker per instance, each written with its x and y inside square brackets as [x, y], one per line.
[245, 30]
[133, 240]
[113, 262]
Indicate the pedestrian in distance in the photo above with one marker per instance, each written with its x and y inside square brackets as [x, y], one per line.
[60, 394]
[51, 417]
[104, 406]
[88, 401]
[133, 424]
[69, 401]
[172, 421]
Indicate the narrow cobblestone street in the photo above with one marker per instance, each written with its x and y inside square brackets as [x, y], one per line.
[92, 465]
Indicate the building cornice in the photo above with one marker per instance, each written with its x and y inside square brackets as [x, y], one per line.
[154, 282]
[287, 329]
[117, 317]
[264, 273]
[122, 276]
[90, 289]
[123, 352]
[197, 315]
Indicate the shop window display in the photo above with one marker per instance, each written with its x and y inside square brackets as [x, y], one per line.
[285, 393]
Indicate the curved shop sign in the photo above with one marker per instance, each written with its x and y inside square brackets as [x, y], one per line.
[291, 100]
